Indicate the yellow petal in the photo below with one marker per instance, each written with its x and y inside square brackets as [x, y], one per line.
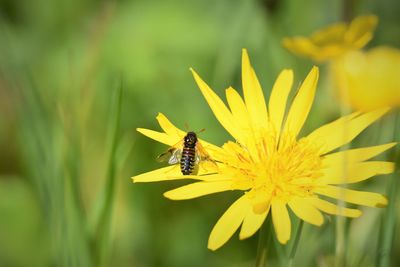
[352, 196]
[203, 175]
[355, 155]
[321, 135]
[363, 40]
[214, 151]
[253, 93]
[237, 106]
[352, 173]
[168, 127]
[302, 103]
[162, 174]
[329, 35]
[281, 220]
[228, 223]
[241, 117]
[160, 137]
[261, 207]
[198, 189]
[306, 211]
[330, 208]
[357, 75]
[173, 172]
[361, 30]
[343, 130]
[218, 107]
[278, 99]
[300, 46]
[252, 222]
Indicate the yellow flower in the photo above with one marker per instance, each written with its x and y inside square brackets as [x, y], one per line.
[270, 164]
[368, 80]
[334, 40]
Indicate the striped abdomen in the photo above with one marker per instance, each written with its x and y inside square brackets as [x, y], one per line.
[188, 160]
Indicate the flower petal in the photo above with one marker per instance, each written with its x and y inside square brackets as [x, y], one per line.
[300, 46]
[306, 211]
[352, 196]
[360, 30]
[278, 99]
[329, 35]
[253, 93]
[241, 117]
[218, 107]
[302, 103]
[237, 106]
[355, 155]
[340, 132]
[228, 223]
[213, 151]
[333, 209]
[160, 137]
[198, 189]
[352, 173]
[163, 174]
[203, 175]
[252, 222]
[168, 127]
[173, 172]
[281, 220]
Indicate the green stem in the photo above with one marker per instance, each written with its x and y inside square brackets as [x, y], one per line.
[280, 250]
[340, 238]
[390, 216]
[264, 239]
[349, 7]
[295, 243]
[103, 226]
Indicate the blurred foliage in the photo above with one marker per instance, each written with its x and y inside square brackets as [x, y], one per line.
[61, 65]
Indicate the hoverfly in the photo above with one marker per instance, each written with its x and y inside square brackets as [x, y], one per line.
[188, 153]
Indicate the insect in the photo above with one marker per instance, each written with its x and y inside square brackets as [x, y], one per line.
[188, 152]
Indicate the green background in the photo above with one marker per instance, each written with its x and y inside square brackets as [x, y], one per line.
[68, 144]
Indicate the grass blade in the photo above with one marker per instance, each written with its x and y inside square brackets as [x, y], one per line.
[101, 238]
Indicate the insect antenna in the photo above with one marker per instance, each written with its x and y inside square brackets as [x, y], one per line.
[202, 130]
[186, 127]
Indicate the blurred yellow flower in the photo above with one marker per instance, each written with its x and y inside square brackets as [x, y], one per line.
[368, 80]
[270, 164]
[334, 40]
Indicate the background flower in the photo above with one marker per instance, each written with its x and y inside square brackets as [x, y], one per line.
[363, 80]
[368, 80]
[335, 40]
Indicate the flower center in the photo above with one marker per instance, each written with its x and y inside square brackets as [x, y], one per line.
[282, 170]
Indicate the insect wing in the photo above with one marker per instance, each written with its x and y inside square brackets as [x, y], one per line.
[165, 156]
[203, 158]
[172, 155]
[201, 153]
[176, 157]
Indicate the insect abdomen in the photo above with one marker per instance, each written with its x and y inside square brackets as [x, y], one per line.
[188, 160]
